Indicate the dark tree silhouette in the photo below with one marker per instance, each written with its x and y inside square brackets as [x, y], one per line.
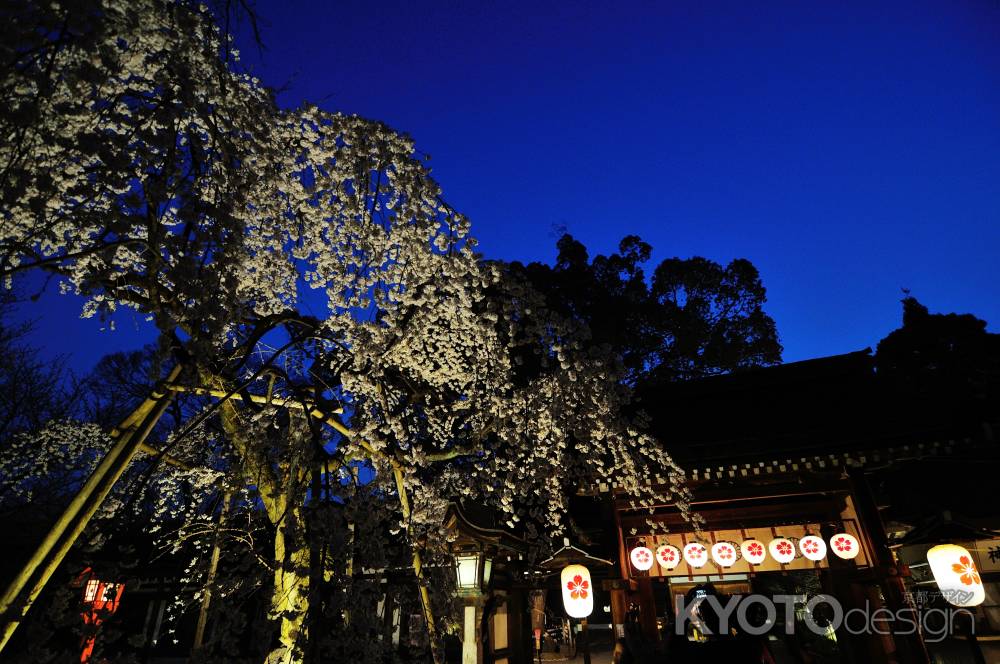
[693, 318]
[947, 353]
[33, 389]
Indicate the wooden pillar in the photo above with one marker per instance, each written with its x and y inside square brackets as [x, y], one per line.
[838, 582]
[470, 631]
[537, 617]
[619, 606]
[518, 633]
[909, 648]
[388, 616]
[33, 577]
[647, 609]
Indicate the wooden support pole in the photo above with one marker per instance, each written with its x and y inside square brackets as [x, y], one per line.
[418, 569]
[238, 396]
[585, 641]
[67, 529]
[213, 567]
[167, 459]
[909, 647]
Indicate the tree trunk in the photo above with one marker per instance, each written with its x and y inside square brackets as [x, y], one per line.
[418, 569]
[290, 597]
[213, 567]
[280, 489]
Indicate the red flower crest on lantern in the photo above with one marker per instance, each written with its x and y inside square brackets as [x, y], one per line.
[966, 569]
[578, 588]
[755, 549]
[667, 555]
[696, 550]
[784, 548]
[810, 546]
[842, 544]
[642, 556]
[725, 552]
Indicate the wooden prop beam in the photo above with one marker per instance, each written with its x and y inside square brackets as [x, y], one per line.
[36, 572]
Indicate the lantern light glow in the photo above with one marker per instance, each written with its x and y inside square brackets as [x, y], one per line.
[956, 575]
[782, 550]
[845, 545]
[724, 554]
[467, 568]
[695, 554]
[753, 551]
[578, 590]
[669, 556]
[812, 547]
[642, 558]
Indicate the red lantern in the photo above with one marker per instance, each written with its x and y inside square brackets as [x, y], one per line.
[100, 601]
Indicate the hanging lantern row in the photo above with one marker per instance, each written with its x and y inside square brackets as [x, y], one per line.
[725, 554]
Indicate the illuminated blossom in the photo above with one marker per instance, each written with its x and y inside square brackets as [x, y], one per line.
[154, 175]
[842, 544]
[578, 587]
[966, 569]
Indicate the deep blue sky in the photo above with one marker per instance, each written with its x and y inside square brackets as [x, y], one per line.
[848, 149]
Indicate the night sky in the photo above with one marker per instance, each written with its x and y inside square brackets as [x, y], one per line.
[849, 150]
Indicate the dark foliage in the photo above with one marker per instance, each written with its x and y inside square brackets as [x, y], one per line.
[948, 353]
[693, 318]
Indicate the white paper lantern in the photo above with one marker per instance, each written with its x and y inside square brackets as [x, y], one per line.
[695, 554]
[812, 547]
[782, 550]
[724, 554]
[669, 556]
[845, 545]
[642, 558]
[956, 575]
[753, 551]
[577, 591]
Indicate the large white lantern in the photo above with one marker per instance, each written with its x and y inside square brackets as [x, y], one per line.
[669, 556]
[956, 575]
[845, 545]
[577, 591]
[782, 550]
[724, 554]
[642, 558]
[695, 554]
[753, 551]
[812, 547]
